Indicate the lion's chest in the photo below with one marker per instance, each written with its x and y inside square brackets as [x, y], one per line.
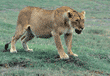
[65, 30]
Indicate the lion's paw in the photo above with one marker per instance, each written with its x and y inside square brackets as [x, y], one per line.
[72, 54]
[29, 50]
[75, 55]
[13, 51]
[64, 56]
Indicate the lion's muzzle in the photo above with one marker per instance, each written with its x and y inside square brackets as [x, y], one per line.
[78, 31]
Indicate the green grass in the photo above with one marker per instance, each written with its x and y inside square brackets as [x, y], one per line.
[93, 46]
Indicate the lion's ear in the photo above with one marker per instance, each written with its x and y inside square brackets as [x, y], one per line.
[83, 13]
[69, 14]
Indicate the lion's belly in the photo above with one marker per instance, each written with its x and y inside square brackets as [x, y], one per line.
[41, 32]
[44, 36]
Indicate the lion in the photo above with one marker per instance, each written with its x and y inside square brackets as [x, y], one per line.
[42, 23]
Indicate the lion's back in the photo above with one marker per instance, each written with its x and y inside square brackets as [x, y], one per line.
[25, 15]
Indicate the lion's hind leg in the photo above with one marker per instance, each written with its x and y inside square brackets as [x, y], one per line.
[27, 36]
[17, 35]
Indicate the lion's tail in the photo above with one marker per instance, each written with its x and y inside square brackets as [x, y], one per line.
[6, 45]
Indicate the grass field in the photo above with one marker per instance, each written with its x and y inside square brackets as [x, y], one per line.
[93, 46]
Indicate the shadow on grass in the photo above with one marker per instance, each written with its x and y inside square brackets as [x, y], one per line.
[72, 60]
[96, 31]
[40, 57]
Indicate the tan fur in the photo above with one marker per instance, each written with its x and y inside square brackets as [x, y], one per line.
[35, 21]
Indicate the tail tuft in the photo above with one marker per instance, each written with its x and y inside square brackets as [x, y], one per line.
[6, 45]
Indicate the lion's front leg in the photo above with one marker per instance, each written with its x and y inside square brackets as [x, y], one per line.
[59, 46]
[68, 41]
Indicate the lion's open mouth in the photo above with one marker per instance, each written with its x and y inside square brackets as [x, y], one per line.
[78, 31]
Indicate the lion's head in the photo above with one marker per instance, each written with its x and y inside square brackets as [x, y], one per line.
[76, 20]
